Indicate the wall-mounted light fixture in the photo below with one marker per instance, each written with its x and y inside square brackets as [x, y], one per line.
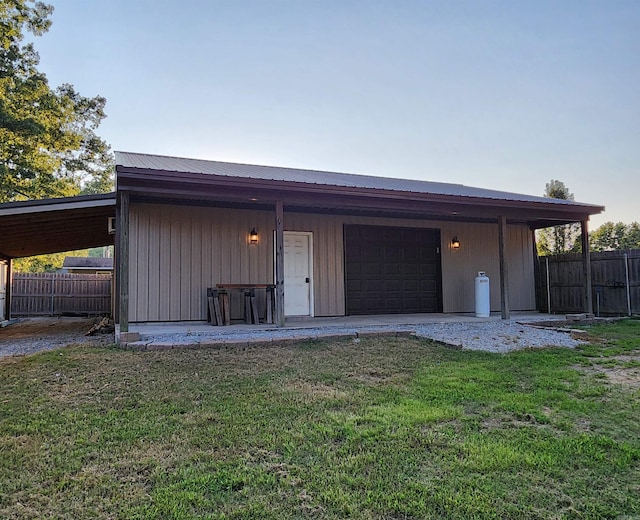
[455, 243]
[253, 236]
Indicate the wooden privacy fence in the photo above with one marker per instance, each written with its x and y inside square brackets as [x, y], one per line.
[615, 280]
[55, 294]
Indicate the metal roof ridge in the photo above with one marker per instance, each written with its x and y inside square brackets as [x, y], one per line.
[293, 168]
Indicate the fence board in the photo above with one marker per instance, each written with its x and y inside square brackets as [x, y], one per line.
[55, 294]
[612, 296]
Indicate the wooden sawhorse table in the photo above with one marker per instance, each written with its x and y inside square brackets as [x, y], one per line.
[220, 310]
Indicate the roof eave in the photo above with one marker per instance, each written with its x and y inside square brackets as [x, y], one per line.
[164, 182]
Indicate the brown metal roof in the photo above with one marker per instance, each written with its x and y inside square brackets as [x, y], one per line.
[248, 171]
[163, 177]
[38, 227]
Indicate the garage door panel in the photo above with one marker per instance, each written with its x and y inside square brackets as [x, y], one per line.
[411, 269]
[391, 285]
[428, 286]
[392, 270]
[411, 286]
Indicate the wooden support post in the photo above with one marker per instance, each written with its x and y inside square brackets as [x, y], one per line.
[122, 257]
[586, 267]
[504, 271]
[270, 303]
[279, 264]
[9, 289]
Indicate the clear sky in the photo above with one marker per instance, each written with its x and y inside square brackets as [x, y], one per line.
[504, 95]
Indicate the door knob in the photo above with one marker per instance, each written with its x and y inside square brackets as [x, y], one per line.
[306, 280]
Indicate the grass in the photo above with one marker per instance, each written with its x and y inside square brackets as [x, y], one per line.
[384, 428]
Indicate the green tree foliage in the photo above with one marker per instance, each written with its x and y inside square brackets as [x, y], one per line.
[44, 263]
[558, 239]
[53, 261]
[48, 145]
[618, 236]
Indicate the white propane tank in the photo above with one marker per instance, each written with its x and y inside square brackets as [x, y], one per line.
[483, 301]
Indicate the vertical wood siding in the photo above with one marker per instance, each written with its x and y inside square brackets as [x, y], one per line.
[179, 251]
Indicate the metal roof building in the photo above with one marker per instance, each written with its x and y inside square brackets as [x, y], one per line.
[169, 211]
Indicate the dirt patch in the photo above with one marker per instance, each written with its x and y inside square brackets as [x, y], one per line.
[314, 389]
[30, 335]
[568, 324]
[623, 369]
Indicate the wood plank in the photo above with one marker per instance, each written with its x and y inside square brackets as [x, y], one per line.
[216, 309]
[254, 307]
[214, 315]
[226, 310]
[279, 264]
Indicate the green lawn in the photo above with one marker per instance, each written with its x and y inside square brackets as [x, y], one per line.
[396, 428]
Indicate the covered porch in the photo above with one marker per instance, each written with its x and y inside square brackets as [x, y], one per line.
[218, 207]
[460, 330]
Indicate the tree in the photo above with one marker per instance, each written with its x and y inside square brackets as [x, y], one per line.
[618, 236]
[632, 237]
[44, 263]
[48, 145]
[558, 239]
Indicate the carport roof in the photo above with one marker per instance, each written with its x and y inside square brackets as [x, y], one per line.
[44, 226]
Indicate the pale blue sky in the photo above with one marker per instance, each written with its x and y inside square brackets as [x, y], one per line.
[498, 94]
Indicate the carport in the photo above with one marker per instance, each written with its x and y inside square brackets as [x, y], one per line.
[38, 227]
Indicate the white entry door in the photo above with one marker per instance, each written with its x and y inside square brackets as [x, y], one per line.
[298, 287]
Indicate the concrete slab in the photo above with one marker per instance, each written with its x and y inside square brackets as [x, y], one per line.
[199, 327]
[164, 336]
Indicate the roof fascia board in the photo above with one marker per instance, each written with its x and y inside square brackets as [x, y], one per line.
[355, 205]
[214, 181]
[62, 206]
[137, 174]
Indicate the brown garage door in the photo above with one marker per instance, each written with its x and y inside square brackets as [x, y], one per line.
[392, 270]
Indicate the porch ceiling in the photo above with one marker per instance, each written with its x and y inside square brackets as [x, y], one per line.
[55, 225]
